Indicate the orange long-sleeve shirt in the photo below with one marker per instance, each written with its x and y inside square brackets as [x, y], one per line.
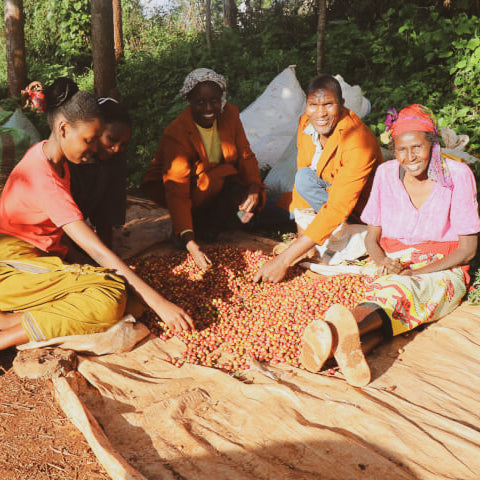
[348, 163]
[181, 166]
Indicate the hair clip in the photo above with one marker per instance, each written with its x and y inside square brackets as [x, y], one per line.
[103, 100]
[390, 118]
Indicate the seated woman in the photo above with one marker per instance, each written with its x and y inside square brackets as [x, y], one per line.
[204, 171]
[423, 221]
[41, 296]
[99, 186]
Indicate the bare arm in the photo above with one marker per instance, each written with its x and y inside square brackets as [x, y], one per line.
[84, 237]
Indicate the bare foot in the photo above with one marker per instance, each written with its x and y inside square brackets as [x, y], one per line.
[348, 350]
[316, 345]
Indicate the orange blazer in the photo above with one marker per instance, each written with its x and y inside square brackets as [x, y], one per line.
[348, 163]
[182, 168]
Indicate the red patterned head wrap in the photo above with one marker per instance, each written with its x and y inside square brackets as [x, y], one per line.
[414, 118]
[417, 118]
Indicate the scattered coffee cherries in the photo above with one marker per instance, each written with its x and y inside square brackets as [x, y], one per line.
[236, 319]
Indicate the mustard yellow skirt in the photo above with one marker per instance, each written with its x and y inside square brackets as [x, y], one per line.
[56, 298]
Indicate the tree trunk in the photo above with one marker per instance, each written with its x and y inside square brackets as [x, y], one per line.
[321, 26]
[229, 13]
[118, 31]
[103, 49]
[15, 46]
[208, 23]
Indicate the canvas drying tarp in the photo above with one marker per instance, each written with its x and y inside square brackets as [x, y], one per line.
[418, 419]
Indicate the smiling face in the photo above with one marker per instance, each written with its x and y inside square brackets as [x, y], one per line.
[323, 109]
[114, 139]
[413, 151]
[79, 140]
[206, 103]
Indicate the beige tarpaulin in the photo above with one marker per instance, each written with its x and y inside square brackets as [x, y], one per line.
[419, 418]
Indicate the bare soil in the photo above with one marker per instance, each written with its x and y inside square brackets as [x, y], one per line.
[37, 441]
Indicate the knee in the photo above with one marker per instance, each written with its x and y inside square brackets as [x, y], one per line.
[208, 192]
[112, 307]
[304, 178]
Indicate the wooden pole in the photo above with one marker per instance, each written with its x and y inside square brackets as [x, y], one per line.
[118, 31]
[15, 46]
[208, 23]
[103, 49]
[321, 26]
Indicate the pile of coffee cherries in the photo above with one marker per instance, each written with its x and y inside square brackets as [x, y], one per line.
[237, 319]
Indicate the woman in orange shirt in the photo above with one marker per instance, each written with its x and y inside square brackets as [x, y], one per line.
[42, 296]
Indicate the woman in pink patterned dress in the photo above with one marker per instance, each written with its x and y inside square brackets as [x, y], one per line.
[422, 218]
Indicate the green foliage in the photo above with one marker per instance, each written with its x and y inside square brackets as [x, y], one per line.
[58, 30]
[412, 55]
[416, 52]
[474, 292]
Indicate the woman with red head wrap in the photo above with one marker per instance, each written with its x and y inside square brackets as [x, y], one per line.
[422, 217]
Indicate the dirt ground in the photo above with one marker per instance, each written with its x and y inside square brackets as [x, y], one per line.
[37, 440]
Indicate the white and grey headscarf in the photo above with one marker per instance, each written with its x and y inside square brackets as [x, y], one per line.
[200, 75]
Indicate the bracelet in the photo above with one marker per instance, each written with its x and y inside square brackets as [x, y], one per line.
[183, 232]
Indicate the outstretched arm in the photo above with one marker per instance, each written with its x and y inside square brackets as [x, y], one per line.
[171, 314]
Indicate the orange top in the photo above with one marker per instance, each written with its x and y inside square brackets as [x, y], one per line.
[36, 203]
[182, 164]
[348, 163]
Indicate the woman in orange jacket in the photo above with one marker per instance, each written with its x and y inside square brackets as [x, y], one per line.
[204, 170]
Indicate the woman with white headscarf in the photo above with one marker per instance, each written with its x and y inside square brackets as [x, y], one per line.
[204, 171]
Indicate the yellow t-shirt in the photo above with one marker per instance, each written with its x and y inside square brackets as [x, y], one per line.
[211, 142]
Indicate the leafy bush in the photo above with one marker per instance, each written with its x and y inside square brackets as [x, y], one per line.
[58, 30]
